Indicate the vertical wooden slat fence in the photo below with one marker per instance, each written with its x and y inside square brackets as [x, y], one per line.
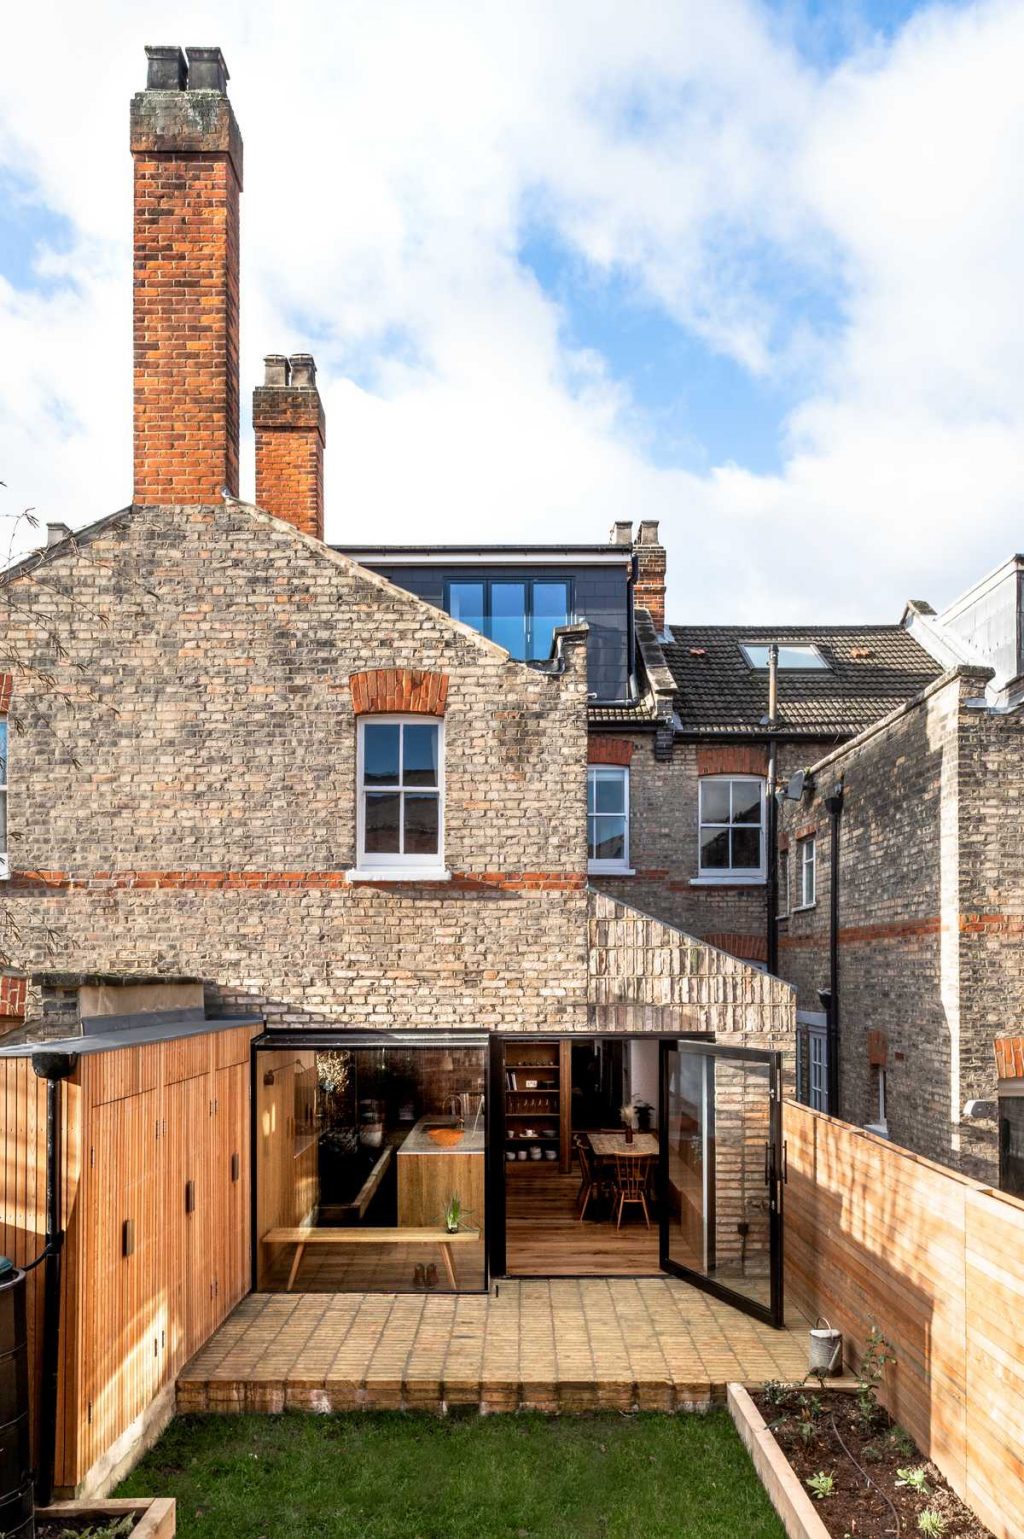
[157, 1216]
[877, 1236]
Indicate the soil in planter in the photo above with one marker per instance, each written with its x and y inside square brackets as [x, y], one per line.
[86, 1527]
[812, 1426]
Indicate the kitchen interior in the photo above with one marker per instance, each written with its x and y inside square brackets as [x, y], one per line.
[370, 1166]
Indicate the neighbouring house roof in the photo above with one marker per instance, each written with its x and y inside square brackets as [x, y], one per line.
[635, 713]
[871, 670]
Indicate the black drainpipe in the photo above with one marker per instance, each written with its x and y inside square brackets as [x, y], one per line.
[771, 831]
[834, 807]
[53, 1067]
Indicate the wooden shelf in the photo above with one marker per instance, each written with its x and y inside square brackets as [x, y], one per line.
[550, 1061]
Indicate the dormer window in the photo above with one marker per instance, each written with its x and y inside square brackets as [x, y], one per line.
[520, 614]
[794, 656]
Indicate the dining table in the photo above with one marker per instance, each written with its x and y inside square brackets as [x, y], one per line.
[605, 1145]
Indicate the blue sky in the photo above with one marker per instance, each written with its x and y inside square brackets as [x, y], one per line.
[750, 268]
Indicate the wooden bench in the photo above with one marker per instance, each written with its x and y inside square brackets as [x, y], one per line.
[300, 1238]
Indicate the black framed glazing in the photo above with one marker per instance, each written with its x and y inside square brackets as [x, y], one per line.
[492, 611]
[774, 1174]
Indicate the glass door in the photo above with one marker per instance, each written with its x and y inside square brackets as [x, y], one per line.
[721, 1172]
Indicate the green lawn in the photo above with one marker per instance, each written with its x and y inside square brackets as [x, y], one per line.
[391, 1476]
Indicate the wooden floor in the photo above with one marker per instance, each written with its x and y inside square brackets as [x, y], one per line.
[545, 1238]
[565, 1345]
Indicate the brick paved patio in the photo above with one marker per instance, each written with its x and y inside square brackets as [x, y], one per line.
[565, 1344]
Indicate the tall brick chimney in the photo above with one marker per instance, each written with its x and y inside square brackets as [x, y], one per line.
[649, 588]
[188, 176]
[288, 419]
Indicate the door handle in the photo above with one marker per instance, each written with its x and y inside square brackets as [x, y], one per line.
[127, 1237]
[190, 1196]
[785, 1163]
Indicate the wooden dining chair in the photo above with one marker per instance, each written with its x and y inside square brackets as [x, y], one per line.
[632, 1173]
[590, 1185]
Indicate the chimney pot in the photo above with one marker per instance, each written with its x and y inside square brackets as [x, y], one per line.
[648, 532]
[303, 370]
[207, 71]
[622, 532]
[166, 69]
[56, 532]
[275, 369]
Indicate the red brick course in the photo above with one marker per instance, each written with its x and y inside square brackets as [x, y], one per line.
[732, 759]
[411, 691]
[609, 750]
[276, 881]
[751, 948]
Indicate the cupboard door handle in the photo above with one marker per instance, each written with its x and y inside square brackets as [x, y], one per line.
[127, 1237]
[190, 1196]
[236, 1167]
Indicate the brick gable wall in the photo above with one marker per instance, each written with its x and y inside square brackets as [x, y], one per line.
[209, 820]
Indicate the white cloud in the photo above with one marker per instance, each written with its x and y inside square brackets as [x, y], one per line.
[395, 155]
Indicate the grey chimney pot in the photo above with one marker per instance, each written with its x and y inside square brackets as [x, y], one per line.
[207, 70]
[166, 69]
[303, 371]
[275, 369]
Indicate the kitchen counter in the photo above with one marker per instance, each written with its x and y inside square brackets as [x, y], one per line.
[418, 1140]
[427, 1184]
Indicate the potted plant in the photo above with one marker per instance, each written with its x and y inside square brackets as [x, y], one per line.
[453, 1214]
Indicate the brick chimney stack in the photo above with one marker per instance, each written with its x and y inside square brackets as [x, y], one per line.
[288, 418]
[649, 588]
[188, 176]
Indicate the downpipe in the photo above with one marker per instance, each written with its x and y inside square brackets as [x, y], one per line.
[54, 1068]
[834, 807]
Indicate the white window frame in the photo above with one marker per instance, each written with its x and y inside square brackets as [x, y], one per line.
[817, 662]
[807, 864]
[378, 866]
[747, 876]
[4, 751]
[610, 867]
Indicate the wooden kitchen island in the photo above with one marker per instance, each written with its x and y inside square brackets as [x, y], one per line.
[429, 1174]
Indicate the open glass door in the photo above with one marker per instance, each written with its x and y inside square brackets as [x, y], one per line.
[721, 1172]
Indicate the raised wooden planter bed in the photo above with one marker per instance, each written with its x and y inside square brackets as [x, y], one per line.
[787, 1495]
[823, 1431]
[155, 1517]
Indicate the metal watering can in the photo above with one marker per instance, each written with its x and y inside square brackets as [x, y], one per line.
[826, 1350]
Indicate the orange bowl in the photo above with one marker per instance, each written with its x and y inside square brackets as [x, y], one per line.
[447, 1138]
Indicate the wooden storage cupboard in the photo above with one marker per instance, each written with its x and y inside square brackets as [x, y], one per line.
[157, 1218]
[538, 1100]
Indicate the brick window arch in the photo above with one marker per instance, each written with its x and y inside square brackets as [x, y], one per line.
[398, 691]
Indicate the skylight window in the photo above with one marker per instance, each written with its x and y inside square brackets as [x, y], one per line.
[792, 655]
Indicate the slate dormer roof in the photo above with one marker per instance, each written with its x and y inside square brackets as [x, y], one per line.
[871, 670]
